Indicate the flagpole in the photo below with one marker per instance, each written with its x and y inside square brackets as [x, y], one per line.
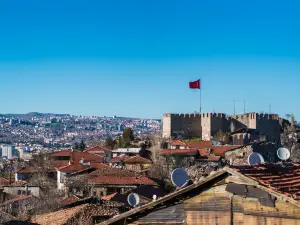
[200, 96]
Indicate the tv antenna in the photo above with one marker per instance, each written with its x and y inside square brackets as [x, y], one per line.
[283, 154]
[133, 199]
[255, 158]
[179, 177]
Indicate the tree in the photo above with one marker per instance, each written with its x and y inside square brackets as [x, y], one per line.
[82, 145]
[128, 136]
[110, 143]
[76, 145]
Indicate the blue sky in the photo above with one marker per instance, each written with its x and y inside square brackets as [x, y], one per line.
[135, 58]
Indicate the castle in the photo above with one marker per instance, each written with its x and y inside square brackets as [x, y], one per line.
[206, 125]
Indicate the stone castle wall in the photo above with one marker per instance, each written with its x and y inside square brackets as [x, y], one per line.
[206, 125]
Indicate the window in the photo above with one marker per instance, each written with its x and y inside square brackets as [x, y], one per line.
[19, 192]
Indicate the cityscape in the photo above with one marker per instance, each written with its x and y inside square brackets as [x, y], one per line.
[149, 112]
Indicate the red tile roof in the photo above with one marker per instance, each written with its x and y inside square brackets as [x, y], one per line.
[71, 168]
[60, 163]
[62, 153]
[204, 152]
[182, 152]
[69, 200]
[77, 156]
[99, 166]
[112, 172]
[27, 170]
[115, 180]
[177, 142]
[97, 149]
[119, 159]
[199, 145]
[220, 150]
[283, 179]
[4, 182]
[19, 198]
[109, 197]
[137, 160]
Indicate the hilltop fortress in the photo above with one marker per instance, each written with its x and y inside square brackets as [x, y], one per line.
[206, 125]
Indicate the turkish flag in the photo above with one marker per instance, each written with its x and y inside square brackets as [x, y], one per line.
[195, 84]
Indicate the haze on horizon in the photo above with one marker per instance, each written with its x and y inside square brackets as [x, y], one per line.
[135, 59]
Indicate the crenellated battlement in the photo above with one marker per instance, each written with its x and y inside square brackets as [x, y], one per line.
[196, 115]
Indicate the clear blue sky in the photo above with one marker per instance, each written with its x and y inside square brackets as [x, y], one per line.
[135, 58]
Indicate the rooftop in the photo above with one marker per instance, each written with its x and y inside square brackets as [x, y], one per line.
[284, 179]
[137, 160]
[97, 149]
[117, 180]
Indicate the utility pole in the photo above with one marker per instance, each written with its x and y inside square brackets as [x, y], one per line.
[234, 107]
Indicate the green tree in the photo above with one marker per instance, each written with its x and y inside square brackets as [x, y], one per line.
[110, 143]
[76, 145]
[82, 145]
[121, 142]
[128, 136]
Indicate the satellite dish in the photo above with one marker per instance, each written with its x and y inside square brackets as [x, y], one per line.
[179, 177]
[283, 153]
[255, 158]
[133, 199]
[154, 197]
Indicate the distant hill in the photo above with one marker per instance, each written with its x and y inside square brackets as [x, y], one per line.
[33, 114]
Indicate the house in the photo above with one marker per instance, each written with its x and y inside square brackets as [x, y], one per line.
[177, 144]
[103, 182]
[118, 161]
[17, 189]
[20, 205]
[78, 161]
[245, 136]
[125, 151]
[26, 173]
[137, 163]
[101, 151]
[84, 214]
[261, 194]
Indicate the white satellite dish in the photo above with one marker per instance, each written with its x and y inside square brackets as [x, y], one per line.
[133, 199]
[283, 153]
[255, 158]
[154, 197]
[179, 177]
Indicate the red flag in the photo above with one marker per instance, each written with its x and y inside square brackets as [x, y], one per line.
[195, 84]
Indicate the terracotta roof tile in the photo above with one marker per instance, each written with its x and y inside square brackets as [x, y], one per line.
[220, 150]
[177, 142]
[119, 159]
[199, 145]
[109, 197]
[71, 168]
[62, 153]
[137, 160]
[97, 149]
[112, 172]
[121, 180]
[283, 179]
[183, 152]
[4, 182]
[68, 200]
[19, 198]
